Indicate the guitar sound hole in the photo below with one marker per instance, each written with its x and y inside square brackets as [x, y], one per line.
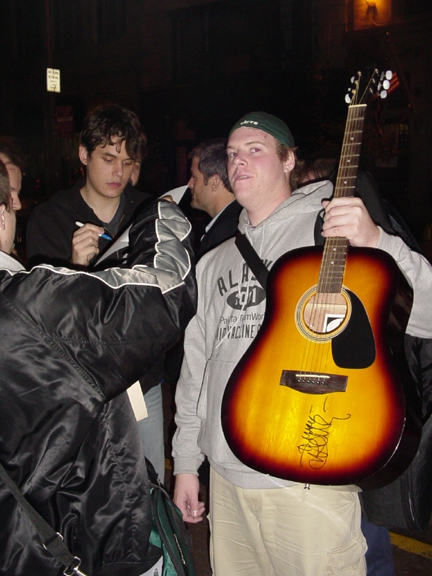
[323, 314]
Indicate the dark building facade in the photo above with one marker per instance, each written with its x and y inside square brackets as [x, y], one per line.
[190, 68]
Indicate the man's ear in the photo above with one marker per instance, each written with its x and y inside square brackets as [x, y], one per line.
[289, 163]
[214, 182]
[83, 154]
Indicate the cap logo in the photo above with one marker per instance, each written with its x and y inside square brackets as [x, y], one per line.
[249, 122]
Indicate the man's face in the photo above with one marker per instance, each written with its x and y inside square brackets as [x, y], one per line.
[108, 170]
[8, 228]
[15, 179]
[200, 191]
[259, 179]
[135, 173]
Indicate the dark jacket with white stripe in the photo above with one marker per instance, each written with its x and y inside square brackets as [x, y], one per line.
[72, 343]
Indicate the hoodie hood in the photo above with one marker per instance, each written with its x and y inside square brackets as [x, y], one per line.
[305, 200]
[300, 209]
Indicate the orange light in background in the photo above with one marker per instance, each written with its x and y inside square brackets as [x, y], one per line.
[371, 13]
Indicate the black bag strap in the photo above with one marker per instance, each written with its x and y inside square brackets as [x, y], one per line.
[51, 541]
[259, 269]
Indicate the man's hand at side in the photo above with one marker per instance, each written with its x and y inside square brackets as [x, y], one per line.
[186, 498]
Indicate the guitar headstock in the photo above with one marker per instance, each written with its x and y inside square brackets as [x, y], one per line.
[378, 85]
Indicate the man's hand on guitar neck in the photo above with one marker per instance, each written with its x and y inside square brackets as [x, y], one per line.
[347, 217]
[186, 498]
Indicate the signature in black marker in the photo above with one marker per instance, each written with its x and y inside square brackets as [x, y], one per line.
[316, 434]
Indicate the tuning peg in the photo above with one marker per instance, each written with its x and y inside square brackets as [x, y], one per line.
[386, 84]
[348, 99]
[383, 94]
[352, 79]
[389, 75]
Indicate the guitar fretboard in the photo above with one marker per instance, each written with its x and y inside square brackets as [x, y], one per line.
[335, 249]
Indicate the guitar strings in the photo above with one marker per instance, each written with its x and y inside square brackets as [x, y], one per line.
[329, 288]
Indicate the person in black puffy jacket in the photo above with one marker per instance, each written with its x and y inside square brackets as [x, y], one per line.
[73, 342]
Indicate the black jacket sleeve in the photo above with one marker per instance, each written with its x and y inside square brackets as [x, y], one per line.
[113, 324]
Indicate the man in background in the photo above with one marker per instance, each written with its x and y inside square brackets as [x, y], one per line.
[67, 229]
[208, 190]
[111, 142]
[10, 156]
[211, 192]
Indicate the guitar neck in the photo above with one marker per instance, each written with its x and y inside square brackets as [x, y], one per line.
[335, 249]
[350, 155]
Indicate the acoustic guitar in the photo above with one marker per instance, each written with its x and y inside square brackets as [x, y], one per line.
[320, 396]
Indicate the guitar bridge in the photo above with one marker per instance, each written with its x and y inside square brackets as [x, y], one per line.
[314, 383]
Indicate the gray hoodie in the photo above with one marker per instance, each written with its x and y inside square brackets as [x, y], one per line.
[231, 307]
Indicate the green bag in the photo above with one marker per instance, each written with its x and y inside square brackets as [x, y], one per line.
[169, 534]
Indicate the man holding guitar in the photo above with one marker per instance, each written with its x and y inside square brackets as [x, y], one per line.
[264, 520]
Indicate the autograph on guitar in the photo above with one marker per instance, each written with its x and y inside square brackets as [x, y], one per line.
[319, 395]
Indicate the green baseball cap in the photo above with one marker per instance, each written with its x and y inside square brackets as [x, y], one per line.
[267, 123]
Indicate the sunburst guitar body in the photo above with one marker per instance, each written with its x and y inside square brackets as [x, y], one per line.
[322, 395]
[319, 395]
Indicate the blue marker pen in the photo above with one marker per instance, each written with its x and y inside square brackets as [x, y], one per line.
[104, 235]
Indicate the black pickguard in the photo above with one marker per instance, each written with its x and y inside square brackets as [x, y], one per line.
[355, 346]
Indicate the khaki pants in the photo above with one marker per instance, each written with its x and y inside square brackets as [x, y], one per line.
[284, 531]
